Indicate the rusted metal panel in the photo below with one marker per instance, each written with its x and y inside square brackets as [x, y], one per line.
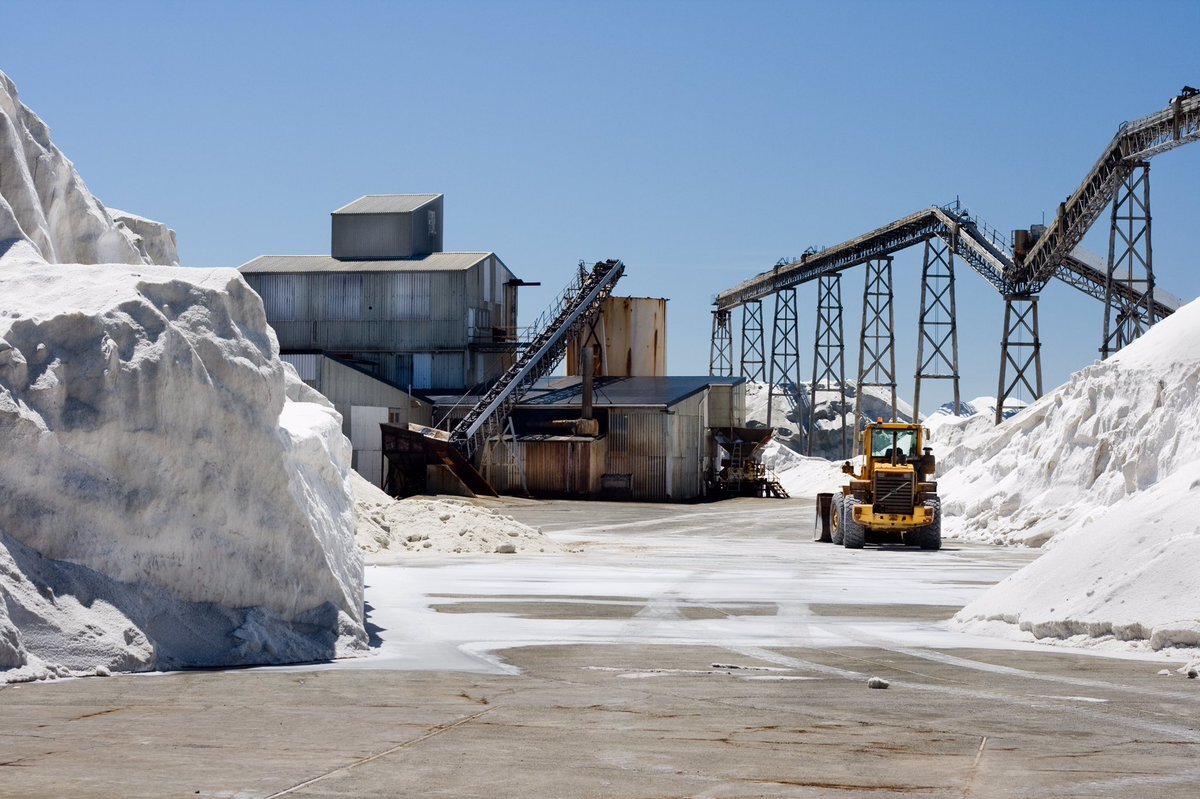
[632, 332]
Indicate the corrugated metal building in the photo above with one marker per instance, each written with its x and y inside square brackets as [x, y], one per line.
[654, 442]
[390, 301]
[388, 315]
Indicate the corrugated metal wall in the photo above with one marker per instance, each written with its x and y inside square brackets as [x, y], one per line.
[637, 446]
[552, 468]
[688, 430]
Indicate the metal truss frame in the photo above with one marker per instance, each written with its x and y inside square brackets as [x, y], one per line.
[829, 354]
[877, 345]
[1020, 349]
[720, 354]
[1129, 251]
[784, 371]
[754, 361]
[937, 326]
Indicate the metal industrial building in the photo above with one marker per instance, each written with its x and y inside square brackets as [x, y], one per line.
[654, 438]
[389, 301]
[388, 316]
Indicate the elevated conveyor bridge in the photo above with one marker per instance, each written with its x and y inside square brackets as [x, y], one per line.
[1018, 269]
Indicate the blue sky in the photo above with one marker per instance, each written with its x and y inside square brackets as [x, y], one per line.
[697, 141]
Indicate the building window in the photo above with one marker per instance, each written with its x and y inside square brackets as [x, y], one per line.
[431, 218]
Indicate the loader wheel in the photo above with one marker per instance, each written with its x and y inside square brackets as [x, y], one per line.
[931, 534]
[835, 519]
[853, 534]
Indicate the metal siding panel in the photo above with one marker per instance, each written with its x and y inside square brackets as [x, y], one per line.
[448, 370]
[647, 454]
[371, 236]
[307, 366]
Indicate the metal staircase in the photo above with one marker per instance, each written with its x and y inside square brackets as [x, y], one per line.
[580, 301]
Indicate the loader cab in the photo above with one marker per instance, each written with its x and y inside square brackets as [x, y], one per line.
[893, 444]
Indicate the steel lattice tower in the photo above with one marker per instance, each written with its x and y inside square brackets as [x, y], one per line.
[1020, 349]
[829, 355]
[937, 327]
[1129, 252]
[784, 372]
[754, 362]
[877, 345]
[720, 354]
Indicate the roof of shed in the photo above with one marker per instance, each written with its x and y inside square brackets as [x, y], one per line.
[626, 391]
[387, 203]
[434, 262]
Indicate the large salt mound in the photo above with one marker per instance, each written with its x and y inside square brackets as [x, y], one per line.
[44, 201]
[1104, 469]
[170, 498]
[1114, 429]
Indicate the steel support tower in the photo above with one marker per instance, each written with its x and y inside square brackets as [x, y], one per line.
[877, 345]
[754, 361]
[783, 377]
[829, 355]
[1130, 262]
[1020, 350]
[720, 355]
[937, 327]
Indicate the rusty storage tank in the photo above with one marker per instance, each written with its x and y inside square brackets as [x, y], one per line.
[630, 337]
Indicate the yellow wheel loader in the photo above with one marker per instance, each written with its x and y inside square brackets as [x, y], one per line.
[894, 493]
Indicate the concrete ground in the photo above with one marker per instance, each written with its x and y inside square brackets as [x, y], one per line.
[701, 651]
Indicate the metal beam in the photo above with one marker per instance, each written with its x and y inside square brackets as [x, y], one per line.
[1020, 349]
[720, 353]
[937, 326]
[783, 377]
[829, 356]
[1129, 252]
[754, 362]
[877, 345]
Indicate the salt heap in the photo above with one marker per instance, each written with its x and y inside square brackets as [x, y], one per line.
[173, 494]
[1105, 469]
[391, 530]
[43, 200]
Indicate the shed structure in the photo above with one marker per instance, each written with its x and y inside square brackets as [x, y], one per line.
[654, 441]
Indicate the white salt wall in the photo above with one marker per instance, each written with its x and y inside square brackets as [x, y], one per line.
[43, 200]
[151, 453]
[1114, 429]
[1105, 470]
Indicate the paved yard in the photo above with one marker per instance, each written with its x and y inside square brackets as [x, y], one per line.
[698, 651]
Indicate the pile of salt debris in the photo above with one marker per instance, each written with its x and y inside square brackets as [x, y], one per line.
[390, 529]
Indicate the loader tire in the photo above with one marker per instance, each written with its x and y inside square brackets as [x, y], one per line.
[931, 534]
[835, 518]
[853, 534]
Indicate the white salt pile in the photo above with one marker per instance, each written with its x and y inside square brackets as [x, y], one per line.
[173, 495]
[43, 200]
[391, 529]
[1105, 469]
[802, 476]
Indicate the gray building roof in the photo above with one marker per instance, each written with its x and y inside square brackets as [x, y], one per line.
[434, 262]
[624, 391]
[387, 203]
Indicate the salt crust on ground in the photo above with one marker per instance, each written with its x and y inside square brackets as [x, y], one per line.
[390, 529]
[1104, 472]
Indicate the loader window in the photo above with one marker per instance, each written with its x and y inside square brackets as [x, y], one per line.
[884, 441]
[881, 442]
